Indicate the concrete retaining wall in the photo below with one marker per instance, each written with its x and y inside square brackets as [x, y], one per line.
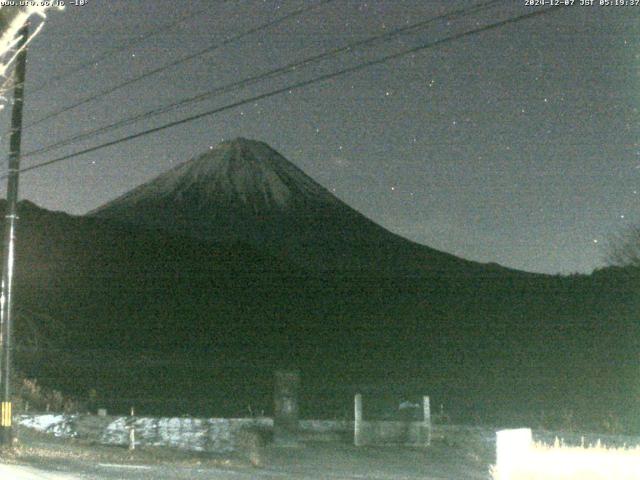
[417, 434]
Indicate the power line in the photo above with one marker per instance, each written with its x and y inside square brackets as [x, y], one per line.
[295, 86]
[113, 51]
[154, 71]
[257, 78]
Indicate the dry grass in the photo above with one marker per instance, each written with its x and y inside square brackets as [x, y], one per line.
[28, 394]
[560, 462]
[251, 443]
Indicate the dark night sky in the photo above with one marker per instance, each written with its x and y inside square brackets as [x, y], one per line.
[518, 145]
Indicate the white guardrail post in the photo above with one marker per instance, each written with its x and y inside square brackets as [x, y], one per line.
[357, 421]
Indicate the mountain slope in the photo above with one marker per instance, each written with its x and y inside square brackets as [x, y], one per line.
[144, 317]
[206, 279]
[243, 190]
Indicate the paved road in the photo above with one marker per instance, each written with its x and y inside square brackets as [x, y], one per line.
[86, 471]
[315, 461]
[132, 472]
[14, 472]
[143, 472]
[121, 472]
[115, 471]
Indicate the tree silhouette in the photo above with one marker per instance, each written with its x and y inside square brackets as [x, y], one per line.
[624, 249]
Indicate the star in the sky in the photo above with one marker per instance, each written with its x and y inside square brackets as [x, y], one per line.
[519, 60]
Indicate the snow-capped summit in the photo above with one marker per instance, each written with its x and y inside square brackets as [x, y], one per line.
[244, 191]
[239, 172]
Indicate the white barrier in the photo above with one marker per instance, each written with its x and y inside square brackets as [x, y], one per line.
[512, 448]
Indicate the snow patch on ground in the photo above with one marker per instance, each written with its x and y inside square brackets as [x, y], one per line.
[184, 433]
[196, 434]
[58, 425]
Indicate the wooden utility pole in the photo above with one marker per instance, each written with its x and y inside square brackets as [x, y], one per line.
[6, 294]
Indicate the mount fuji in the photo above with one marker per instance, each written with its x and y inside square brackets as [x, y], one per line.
[244, 191]
[236, 263]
